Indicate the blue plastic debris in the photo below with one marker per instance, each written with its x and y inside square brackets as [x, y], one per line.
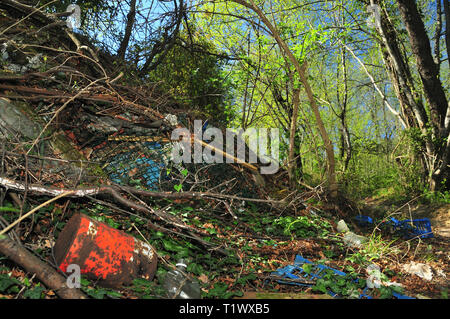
[363, 221]
[296, 271]
[123, 165]
[413, 228]
[408, 228]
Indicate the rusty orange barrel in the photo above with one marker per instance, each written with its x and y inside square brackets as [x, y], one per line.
[105, 255]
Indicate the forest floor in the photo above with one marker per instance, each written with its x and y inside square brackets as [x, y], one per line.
[261, 242]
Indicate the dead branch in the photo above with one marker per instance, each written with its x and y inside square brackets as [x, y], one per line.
[44, 272]
[109, 189]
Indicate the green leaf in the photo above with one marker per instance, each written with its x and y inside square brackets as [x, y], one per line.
[6, 282]
[114, 294]
[195, 268]
[34, 293]
[307, 268]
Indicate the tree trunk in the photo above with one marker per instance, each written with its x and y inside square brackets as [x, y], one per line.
[292, 132]
[429, 73]
[447, 26]
[432, 86]
[128, 29]
[436, 144]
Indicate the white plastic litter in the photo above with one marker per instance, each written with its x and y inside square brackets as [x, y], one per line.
[342, 227]
[172, 119]
[374, 278]
[353, 240]
[422, 270]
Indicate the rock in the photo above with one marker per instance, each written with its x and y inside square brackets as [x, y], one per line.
[342, 227]
[15, 120]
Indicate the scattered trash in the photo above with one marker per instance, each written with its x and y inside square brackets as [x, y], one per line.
[171, 119]
[104, 254]
[35, 61]
[179, 286]
[17, 61]
[407, 228]
[413, 228]
[296, 275]
[74, 20]
[342, 227]
[279, 295]
[353, 240]
[350, 238]
[364, 221]
[422, 297]
[374, 278]
[422, 270]
[131, 165]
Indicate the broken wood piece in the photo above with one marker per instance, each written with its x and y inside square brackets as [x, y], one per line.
[106, 189]
[139, 139]
[235, 159]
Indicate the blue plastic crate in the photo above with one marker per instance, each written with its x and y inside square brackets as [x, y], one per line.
[413, 228]
[364, 221]
[295, 271]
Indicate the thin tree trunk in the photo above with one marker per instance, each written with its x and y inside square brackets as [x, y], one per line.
[331, 171]
[293, 129]
[447, 26]
[128, 30]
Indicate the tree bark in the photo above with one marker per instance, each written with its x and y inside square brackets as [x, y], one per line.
[128, 30]
[429, 73]
[447, 26]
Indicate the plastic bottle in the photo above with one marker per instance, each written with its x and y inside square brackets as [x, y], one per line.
[177, 278]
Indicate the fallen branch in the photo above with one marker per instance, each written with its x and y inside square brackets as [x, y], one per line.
[107, 189]
[113, 191]
[49, 277]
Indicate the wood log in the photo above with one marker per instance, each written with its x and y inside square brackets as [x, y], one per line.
[32, 264]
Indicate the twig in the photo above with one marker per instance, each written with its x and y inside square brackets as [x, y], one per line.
[59, 110]
[38, 10]
[34, 210]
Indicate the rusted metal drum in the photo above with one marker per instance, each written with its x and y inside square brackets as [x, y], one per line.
[105, 255]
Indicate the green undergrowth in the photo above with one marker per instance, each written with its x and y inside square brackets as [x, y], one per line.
[257, 241]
